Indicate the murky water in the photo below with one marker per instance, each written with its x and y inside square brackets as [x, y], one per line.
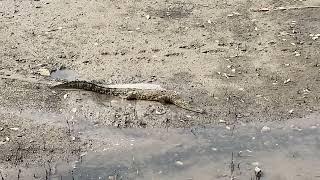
[287, 151]
[64, 74]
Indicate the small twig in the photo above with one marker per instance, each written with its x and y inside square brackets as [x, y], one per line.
[192, 131]
[18, 156]
[232, 165]
[46, 171]
[167, 124]
[68, 125]
[284, 8]
[239, 168]
[232, 131]
[135, 113]
[49, 166]
[44, 143]
[19, 172]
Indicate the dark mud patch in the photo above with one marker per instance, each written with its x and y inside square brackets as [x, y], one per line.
[177, 10]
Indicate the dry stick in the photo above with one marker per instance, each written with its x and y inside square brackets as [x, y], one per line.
[284, 8]
[68, 126]
[19, 172]
[44, 143]
[18, 158]
[232, 166]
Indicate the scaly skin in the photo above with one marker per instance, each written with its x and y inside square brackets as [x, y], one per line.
[162, 96]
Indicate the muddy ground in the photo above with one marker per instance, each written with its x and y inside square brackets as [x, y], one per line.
[242, 61]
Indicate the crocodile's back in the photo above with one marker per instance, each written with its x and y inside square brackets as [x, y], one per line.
[84, 86]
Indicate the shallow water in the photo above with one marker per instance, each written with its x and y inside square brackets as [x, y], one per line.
[289, 151]
[64, 74]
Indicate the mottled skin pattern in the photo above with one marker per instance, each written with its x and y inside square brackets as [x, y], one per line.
[162, 96]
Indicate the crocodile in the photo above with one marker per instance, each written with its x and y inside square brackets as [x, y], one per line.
[162, 96]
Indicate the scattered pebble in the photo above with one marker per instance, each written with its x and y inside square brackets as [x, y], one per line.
[258, 172]
[222, 121]
[264, 9]
[44, 72]
[214, 149]
[313, 127]
[265, 129]
[160, 112]
[65, 96]
[179, 163]
[74, 110]
[286, 81]
[283, 33]
[209, 21]
[236, 13]
[7, 139]
[228, 127]
[291, 111]
[314, 37]
[2, 143]
[148, 16]
[14, 129]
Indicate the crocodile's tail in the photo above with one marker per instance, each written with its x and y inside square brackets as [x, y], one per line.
[185, 105]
